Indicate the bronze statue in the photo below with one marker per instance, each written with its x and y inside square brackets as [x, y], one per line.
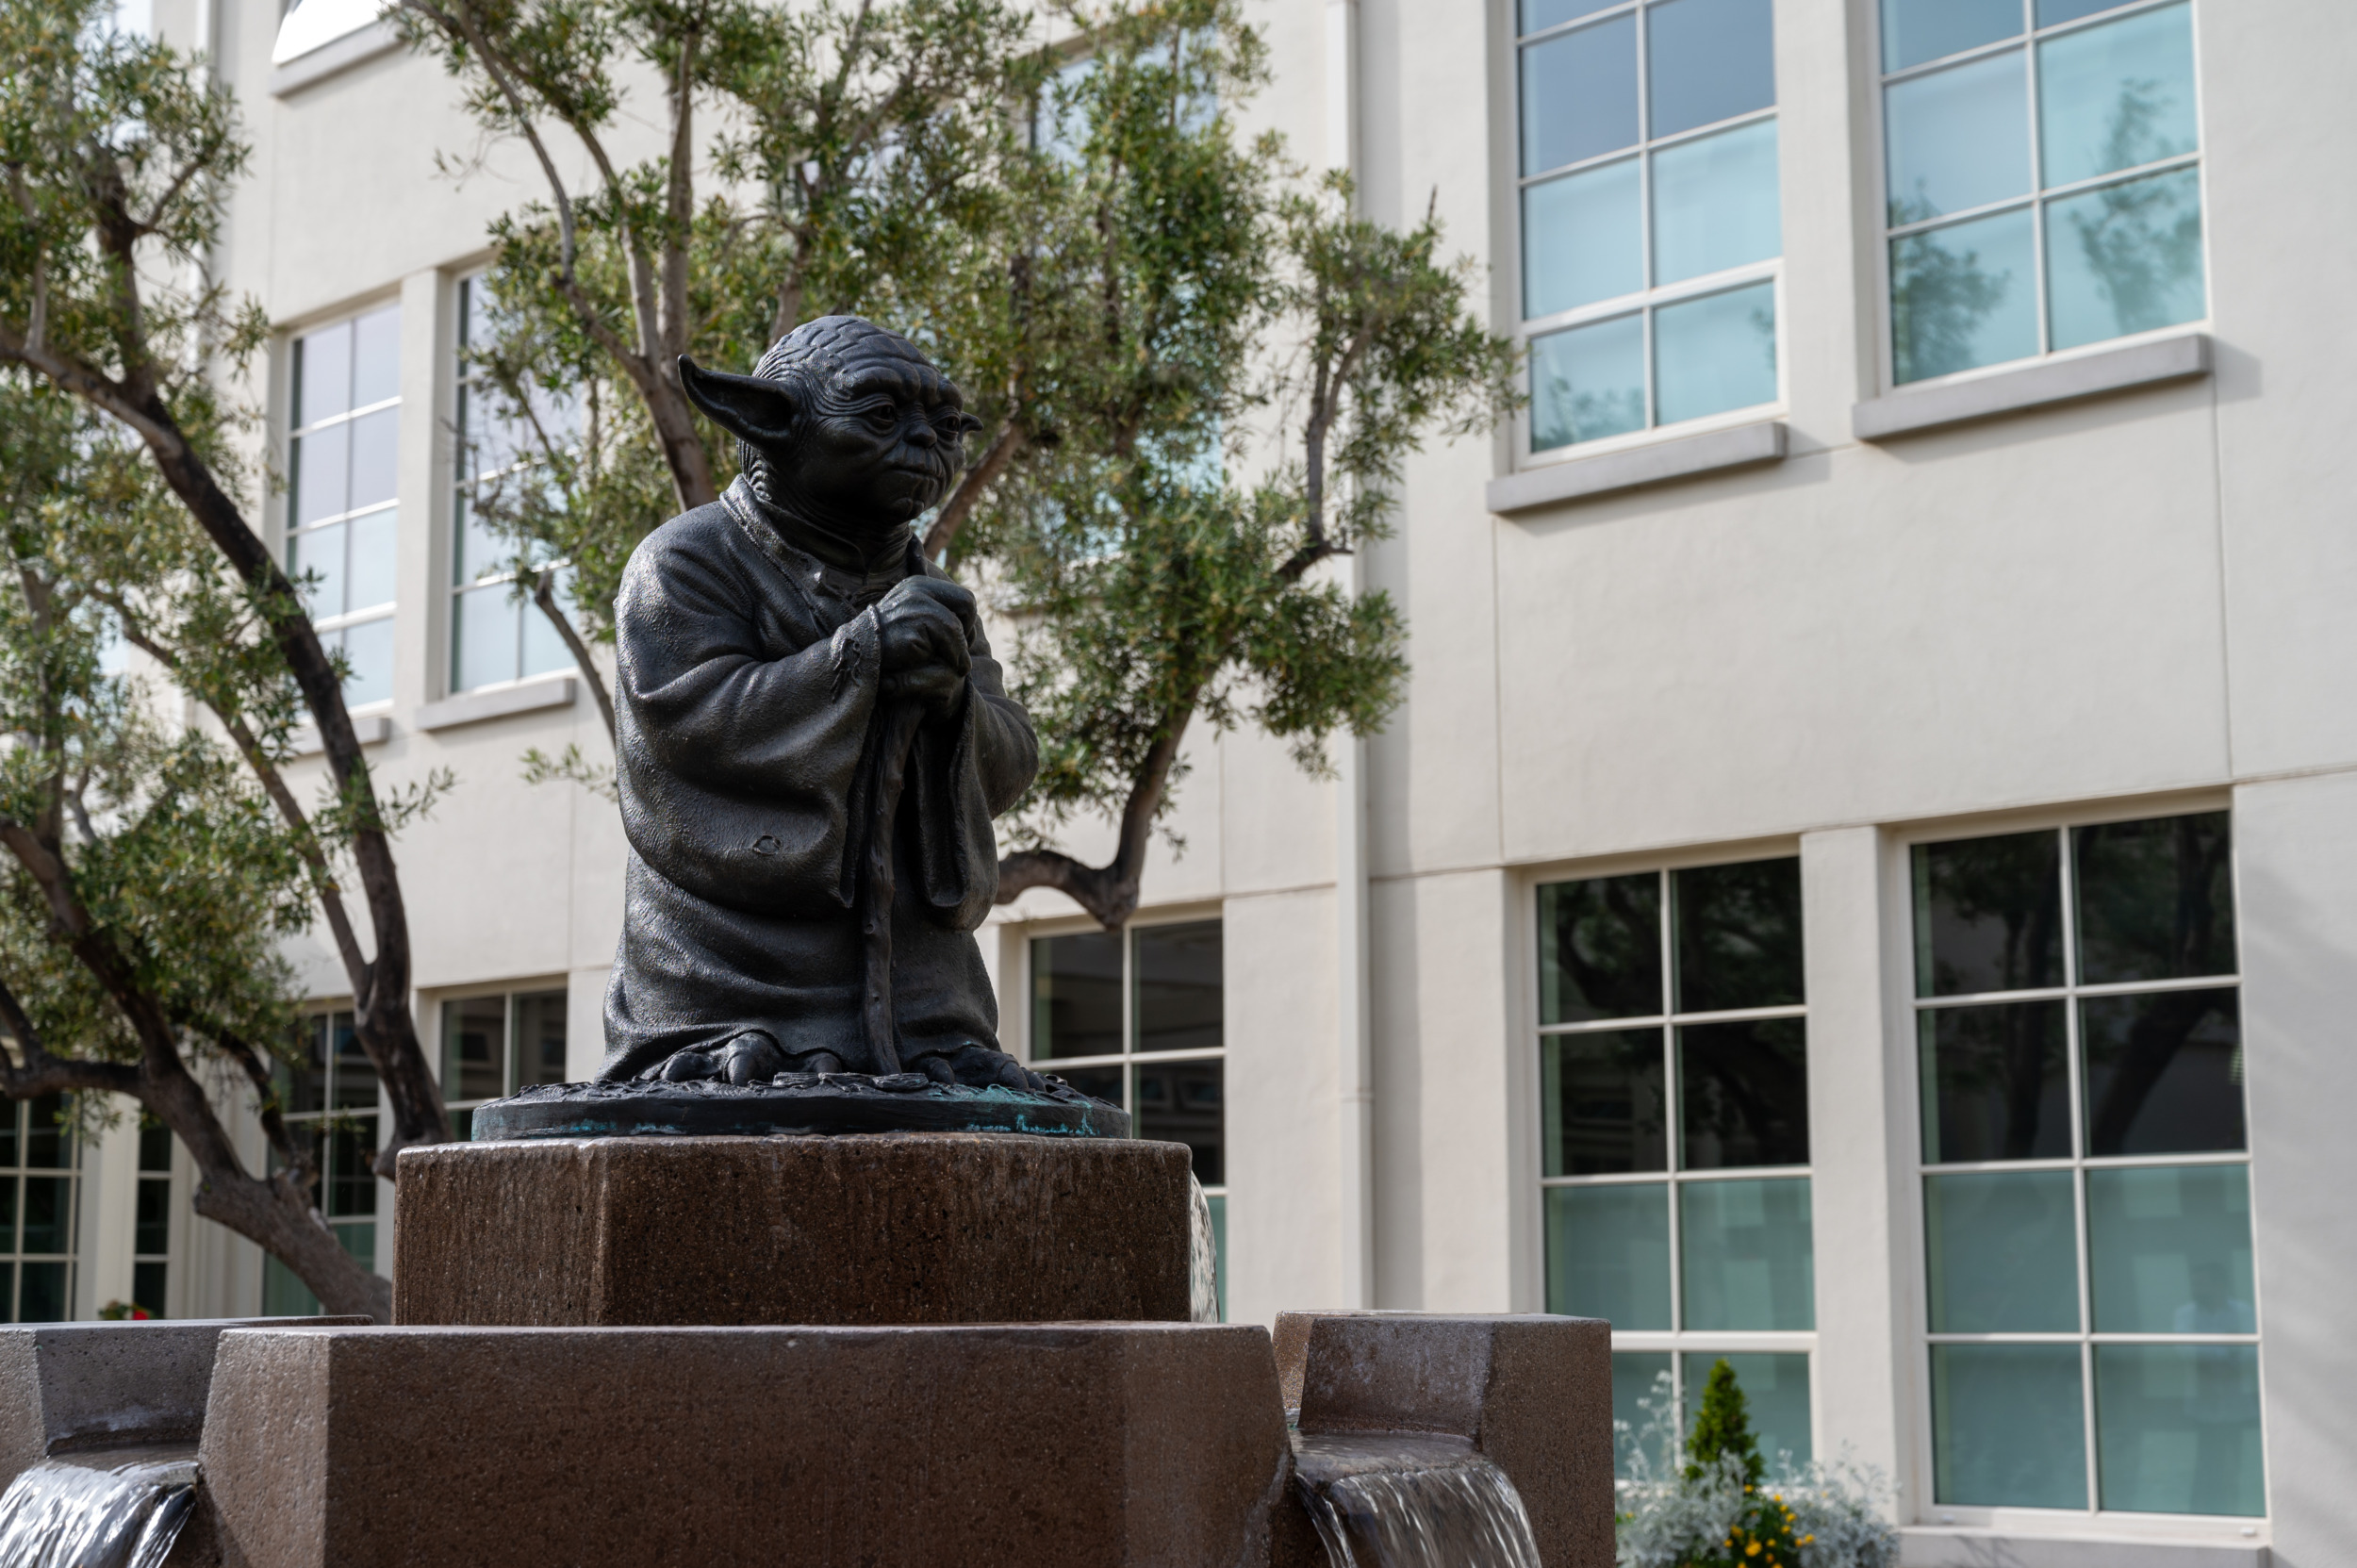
[811, 741]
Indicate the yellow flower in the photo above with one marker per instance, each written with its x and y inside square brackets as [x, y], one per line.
[1751, 1550]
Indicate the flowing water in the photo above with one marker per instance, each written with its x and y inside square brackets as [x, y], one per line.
[1203, 1261]
[1381, 1501]
[97, 1510]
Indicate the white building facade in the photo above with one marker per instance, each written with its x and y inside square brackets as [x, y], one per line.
[1864, 881]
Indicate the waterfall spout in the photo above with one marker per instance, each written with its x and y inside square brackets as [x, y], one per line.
[1203, 1259]
[97, 1510]
[1389, 1501]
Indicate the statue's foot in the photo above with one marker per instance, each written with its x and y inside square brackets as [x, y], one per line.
[752, 1057]
[977, 1067]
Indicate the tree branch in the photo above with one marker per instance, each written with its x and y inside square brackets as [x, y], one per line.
[544, 595]
[1001, 450]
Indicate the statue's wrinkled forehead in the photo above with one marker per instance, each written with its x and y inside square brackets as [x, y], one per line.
[843, 357]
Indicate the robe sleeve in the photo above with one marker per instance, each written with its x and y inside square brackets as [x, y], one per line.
[968, 771]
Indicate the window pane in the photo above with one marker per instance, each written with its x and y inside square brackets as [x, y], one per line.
[324, 373]
[2125, 258]
[7, 1217]
[151, 1230]
[1742, 1094]
[2177, 1428]
[319, 556]
[540, 1037]
[1995, 1083]
[1989, 915]
[2115, 96]
[1918, 30]
[2002, 1252]
[11, 1115]
[2008, 1427]
[356, 1075]
[1600, 948]
[1744, 1250]
[376, 356]
[154, 1149]
[376, 456]
[147, 1286]
[2155, 898]
[474, 1049]
[1076, 996]
[351, 1149]
[1962, 297]
[1739, 934]
[1714, 203]
[479, 553]
[1601, 1101]
[1609, 1253]
[2164, 1073]
[372, 561]
[369, 650]
[1639, 1379]
[1579, 94]
[1180, 1102]
[488, 631]
[360, 1241]
[1707, 60]
[1102, 1083]
[2052, 13]
[1715, 353]
[46, 1298]
[321, 470]
[1588, 383]
[1775, 1394]
[1957, 138]
[2170, 1250]
[283, 1294]
[1539, 15]
[47, 1145]
[1178, 987]
[544, 650]
[48, 1213]
[302, 1082]
[1581, 242]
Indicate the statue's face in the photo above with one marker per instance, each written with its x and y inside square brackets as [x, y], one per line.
[885, 441]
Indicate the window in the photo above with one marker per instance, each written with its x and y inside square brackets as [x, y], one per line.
[151, 1230]
[2043, 179]
[1673, 1111]
[342, 510]
[1649, 213]
[328, 1097]
[494, 1046]
[494, 635]
[40, 1188]
[2086, 1197]
[1135, 1017]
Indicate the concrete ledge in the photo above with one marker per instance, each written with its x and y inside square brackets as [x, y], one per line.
[471, 707]
[364, 43]
[2037, 386]
[1947, 1546]
[1656, 463]
[372, 731]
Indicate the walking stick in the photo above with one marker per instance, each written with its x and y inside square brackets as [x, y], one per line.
[898, 739]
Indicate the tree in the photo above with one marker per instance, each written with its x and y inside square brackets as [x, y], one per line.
[1722, 1429]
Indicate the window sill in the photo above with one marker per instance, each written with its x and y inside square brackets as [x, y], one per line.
[1944, 1547]
[338, 54]
[1656, 463]
[372, 731]
[2039, 386]
[474, 707]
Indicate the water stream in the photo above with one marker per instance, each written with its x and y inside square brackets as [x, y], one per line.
[1202, 1258]
[1391, 1501]
[118, 1509]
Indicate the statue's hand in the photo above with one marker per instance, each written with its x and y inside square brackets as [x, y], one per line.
[923, 621]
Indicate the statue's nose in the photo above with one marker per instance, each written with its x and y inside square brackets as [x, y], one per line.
[923, 434]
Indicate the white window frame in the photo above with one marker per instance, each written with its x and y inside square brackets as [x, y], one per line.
[510, 992]
[331, 627]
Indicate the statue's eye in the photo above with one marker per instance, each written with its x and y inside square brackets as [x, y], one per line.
[882, 416]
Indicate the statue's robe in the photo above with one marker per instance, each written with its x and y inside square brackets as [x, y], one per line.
[745, 712]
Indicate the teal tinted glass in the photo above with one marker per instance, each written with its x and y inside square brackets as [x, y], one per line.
[2125, 258]
[2002, 1252]
[2054, 13]
[1775, 1394]
[1963, 296]
[1957, 138]
[1738, 934]
[1707, 60]
[1714, 354]
[2117, 96]
[1601, 1107]
[1746, 1255]
[1600, 948]
[1918, 30]
[2155, 898]
[2177, 1428]
[2169, 1249]
[1588, 383]
[1996, 1082]
[285, 1295]
[1714, 203]
[2164, 1073]
[2008, 1426]
[1640, 1388]
[1539, 15]
[1609, 1253]
[1582, 239]
[1579, 94]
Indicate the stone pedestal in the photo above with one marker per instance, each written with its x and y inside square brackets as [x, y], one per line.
[1145, 1446]
[873, 1230]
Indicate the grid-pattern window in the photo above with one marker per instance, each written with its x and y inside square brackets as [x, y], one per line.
[343, 515]
[151, 1227]
[1649, 212]
[40, 1193]
[494, 1046]
[2086, 1190]
[1673, 1136]
[328, 1095]
[1136, 1017]
[494, 635]
[2044, 187]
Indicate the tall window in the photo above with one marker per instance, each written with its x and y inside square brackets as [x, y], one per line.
[1674, 1110]
[494, 636]
[1650, 230]
[2042, 173]
[494, 1046]
[2086, 1194]
[328, 1097]
[1135, 1017]
[342, 511]
[40, 1188]
[151, 1230]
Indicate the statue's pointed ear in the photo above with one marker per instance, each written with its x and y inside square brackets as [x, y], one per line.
[755, 411]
